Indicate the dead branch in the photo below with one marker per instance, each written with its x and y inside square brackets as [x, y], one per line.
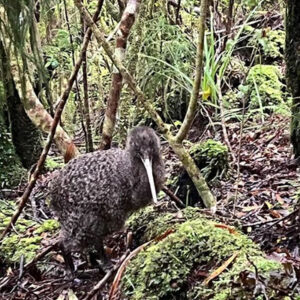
[168, 192]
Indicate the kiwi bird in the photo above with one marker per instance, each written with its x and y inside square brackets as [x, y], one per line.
[93, 194]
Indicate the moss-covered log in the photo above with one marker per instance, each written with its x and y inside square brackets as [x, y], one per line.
[178, 266]
[293, 67]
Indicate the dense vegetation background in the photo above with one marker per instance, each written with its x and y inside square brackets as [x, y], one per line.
[217, 79]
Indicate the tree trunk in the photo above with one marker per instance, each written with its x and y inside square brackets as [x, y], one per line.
[293, 68]
[25, 136]
[39, 115]
[126, 24]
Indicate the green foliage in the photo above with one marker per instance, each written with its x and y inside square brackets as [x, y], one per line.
[271, 42]
[10, 165]
[164, 65]
[162, 270]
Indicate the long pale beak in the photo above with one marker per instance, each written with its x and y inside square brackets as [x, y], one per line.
[148, 166]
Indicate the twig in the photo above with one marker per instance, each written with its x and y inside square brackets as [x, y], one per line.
[173, 196]
[41, 255]
[284, 218]
[276, 221]
[57, 116]
[7, 280]
[221, 269]
[102, 282]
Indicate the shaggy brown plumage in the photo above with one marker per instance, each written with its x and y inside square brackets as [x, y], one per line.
[94, 193]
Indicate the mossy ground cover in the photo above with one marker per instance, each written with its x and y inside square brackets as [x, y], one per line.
[164, 269]
[26, 238]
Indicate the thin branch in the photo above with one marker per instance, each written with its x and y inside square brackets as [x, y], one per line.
[191, 111]
[88, 133]
[223, 121]
[168, 192]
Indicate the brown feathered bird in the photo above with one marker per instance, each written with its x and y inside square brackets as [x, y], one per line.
[94, 193]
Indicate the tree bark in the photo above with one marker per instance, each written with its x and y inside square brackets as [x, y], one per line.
[25, 136]
[127, 21]
[293, 68]
[189, 164]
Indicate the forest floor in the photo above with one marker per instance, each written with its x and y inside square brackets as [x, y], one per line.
[258, 198]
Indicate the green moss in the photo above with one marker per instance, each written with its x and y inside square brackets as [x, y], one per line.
[157, 223]
[53, 164]
[48, 226]
[162, 270]
[14, 246]
[22, 241]
[263, 88]
[211, 157]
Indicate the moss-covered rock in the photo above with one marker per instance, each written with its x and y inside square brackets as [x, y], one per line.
[211, 157]
[264, 89]
[26, 238]
[166, 269]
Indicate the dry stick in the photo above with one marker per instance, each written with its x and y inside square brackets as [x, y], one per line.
[192, 169]
[283, 218]
[127, 21]
[191, 111]
[168, 192]
[102, 282]
[57, 116]
[239, 156]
